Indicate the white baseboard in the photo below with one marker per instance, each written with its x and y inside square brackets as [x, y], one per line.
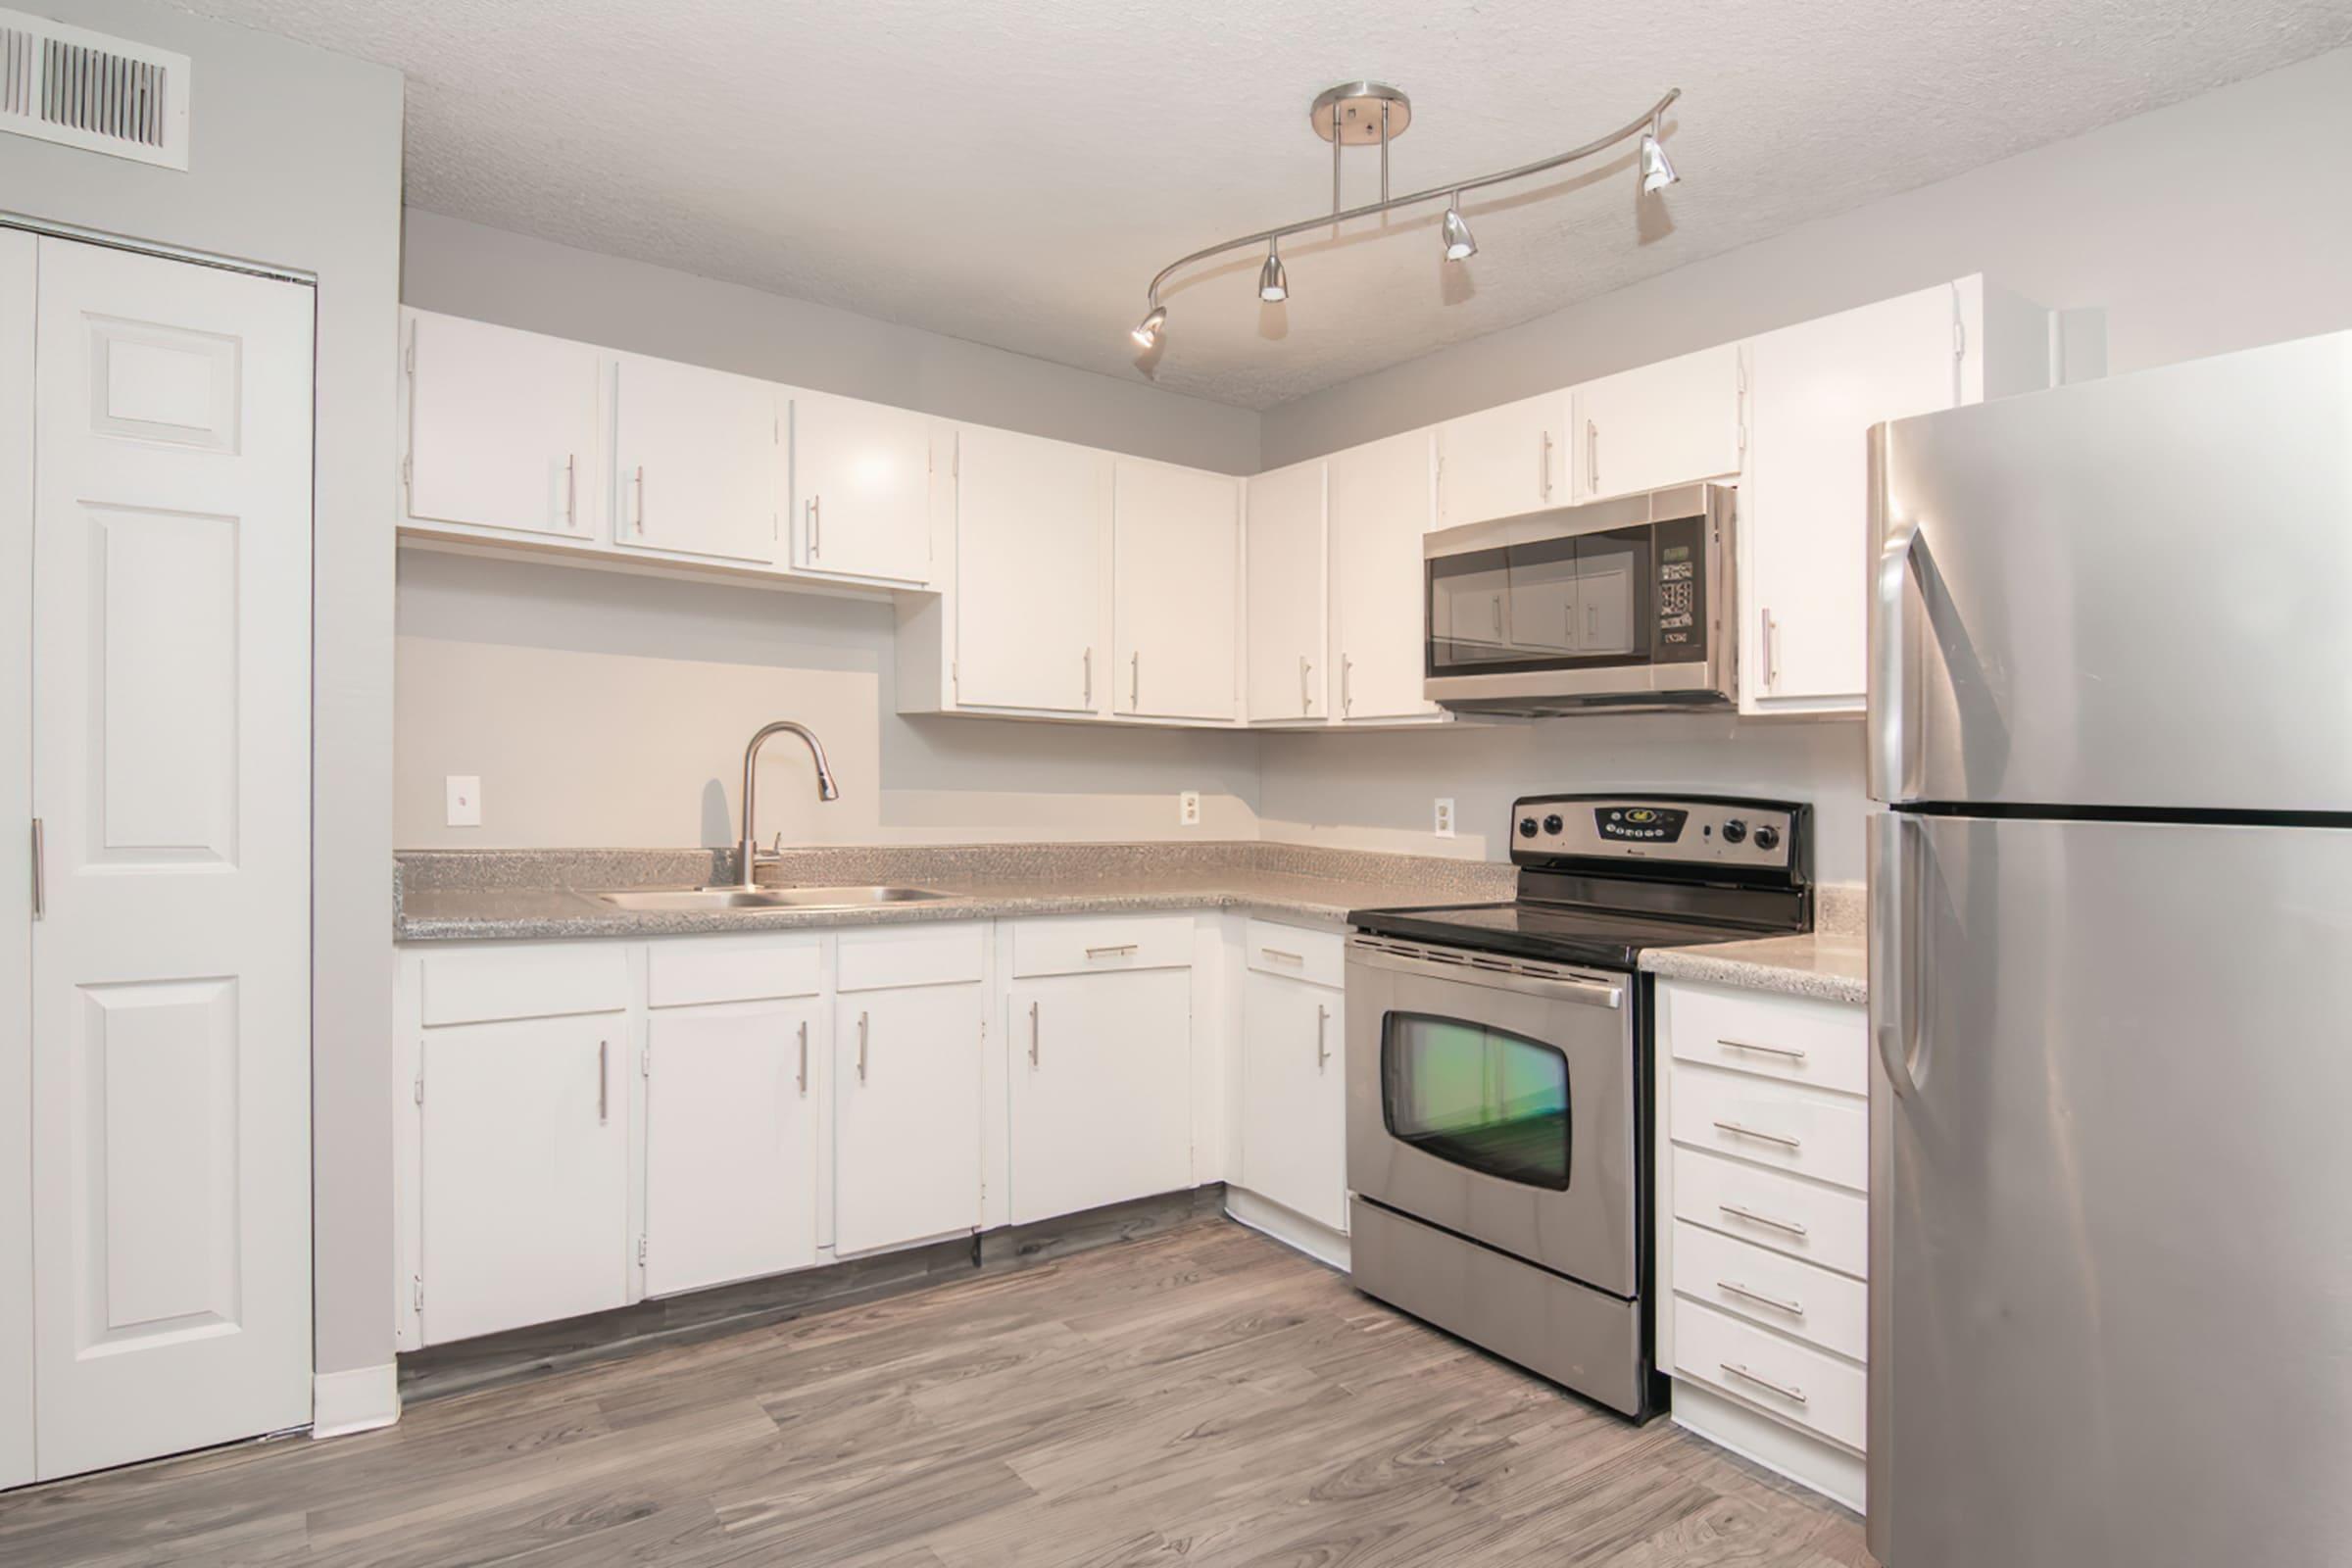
[1832, 1471]
[359, 1400]
[1293, 1230]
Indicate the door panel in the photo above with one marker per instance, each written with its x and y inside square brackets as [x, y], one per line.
[1294, 1097]
[1288, 594]
[907, 1130]
[1667, 424]
[171, 1011]
[502, 427]
[1031, 526]
[2110, 1171]
[17, 270]
[1500, 463]
[694, 469]
[1380, 512]
[1102, 1090]
[861, 487]
[730, 1144]
[1176, 566]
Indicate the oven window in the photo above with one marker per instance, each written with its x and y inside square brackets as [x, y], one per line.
[1494, 1101]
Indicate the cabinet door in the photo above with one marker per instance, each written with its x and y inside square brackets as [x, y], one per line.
[1176, 573]
[1816, 389]
[1295, 1097]
[502, 427]
[1662, 424]
[730, 1144]
[1102, 1090]
[525, 1164]
[1288, 596]
[1500, 462]
[860, 488]
[695, 470]
[906, 1114]
[1032, 523]
[1380, 510]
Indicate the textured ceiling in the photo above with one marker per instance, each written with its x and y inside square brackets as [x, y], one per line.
[1014, 171]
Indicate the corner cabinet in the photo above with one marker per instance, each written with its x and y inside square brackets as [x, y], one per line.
[1287, 585]
[1176, 595]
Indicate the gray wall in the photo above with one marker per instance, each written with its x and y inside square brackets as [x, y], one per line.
[2217, 224]
[296, 162]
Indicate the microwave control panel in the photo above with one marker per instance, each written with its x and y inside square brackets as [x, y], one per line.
[1681, 631]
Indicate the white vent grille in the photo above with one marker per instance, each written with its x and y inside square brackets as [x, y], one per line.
[84, 89]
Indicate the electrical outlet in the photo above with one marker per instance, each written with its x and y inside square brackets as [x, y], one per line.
[464, 800]
[1188, 809]
[1444, 816]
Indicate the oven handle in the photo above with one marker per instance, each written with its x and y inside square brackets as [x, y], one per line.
[1590, 993]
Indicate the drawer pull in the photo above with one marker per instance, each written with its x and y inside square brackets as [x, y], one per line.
[1738, 1130]
[1120, 950]
[1792, 1309]
[1790, 1226]
[1278, 954]
[1790, 1051]
[1781, 1389]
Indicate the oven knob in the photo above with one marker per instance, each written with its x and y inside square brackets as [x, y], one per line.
[1768, 837]
[1527, 827]
[1734, 831]
[1553, 823]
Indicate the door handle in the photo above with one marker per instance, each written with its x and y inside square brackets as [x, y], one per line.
[1135, 680]
[41, 872]
[1769, 634]
[1592, 458]
[1734, 1288]
[604, 1083]
[571, 491]
[1546, 460]
[640, 482]
[804, 1057]
[862, 1040]
[1346, 685]
[1738, 1130]
[1033, 1034]
[1782, 1388]
[1891, 1024]
[1790, 1051]
[1788, 1226]
[1088, 657]
[1322, 1032]
[1901, 545]
[816, 526]
[1306, 701]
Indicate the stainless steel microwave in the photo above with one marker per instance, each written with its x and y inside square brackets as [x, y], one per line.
[1616, 604]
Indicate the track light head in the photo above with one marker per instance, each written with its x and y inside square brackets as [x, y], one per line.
[1657, 170]
[1146, 331]
[1273, 283]
[1459, 246]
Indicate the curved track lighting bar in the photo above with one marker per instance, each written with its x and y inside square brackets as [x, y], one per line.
[1450, 192]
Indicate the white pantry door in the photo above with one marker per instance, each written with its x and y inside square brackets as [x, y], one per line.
[171, 774]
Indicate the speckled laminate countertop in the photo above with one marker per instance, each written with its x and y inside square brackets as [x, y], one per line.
[1828, 966]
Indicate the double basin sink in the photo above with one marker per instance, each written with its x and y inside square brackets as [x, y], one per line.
[687, 900]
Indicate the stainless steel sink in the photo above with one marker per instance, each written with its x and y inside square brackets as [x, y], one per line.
[687, 899]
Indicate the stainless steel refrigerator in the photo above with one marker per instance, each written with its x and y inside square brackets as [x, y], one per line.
[2111, 972]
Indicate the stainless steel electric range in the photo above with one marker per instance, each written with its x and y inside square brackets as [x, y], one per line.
[1498, 1073]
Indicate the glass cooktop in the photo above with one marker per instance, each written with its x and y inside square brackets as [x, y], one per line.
[1605, 939]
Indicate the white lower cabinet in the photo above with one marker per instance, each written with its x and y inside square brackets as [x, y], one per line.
[906, 1113]
[1293, 1093]
[523, 1166]
[1100, 1088]
[731, 1142]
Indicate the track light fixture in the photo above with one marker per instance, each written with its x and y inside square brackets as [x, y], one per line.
[1273, 284]
[1367, 114]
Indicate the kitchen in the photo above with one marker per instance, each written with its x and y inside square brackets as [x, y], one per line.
[1142, 694]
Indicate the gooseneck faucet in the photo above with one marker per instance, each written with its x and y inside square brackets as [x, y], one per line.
[826, 790]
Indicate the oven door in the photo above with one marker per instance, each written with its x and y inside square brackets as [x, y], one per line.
[1497, 1106]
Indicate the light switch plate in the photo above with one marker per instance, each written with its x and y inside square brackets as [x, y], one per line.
[1188, 809]
[464, 800]
[1444, 818]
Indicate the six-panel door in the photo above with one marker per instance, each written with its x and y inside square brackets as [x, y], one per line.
[1295, 1097]
[906, 1114]
[1101, 1102]
[731, 1142]
[1031, 528]
[502, 428]
[860, 488]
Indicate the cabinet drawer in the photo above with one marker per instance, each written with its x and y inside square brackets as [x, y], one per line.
[1319, 958]
[1799, 1385]
[679, 974]
[1824, 1044]
[1784, 1126]
[1765, 1287]
[911, 955]
[1091, 945]
[1818, 1223]
[522, 982]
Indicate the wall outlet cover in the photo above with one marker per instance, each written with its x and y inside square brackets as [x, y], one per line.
[464, 800]
[1188, 809]
[1444, 818]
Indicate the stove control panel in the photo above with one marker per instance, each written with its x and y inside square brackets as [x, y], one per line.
[1696, 830]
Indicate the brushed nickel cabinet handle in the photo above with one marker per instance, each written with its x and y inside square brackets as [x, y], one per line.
[803, 1057]
[640, 482]
[1789, 1226]
[1790, 1051]
[1592, 458]
[41, 872]
[604, 1083]
[1792, 1309]
[1547, 464]
[1135, 680]
[1781, 1389]
[571, 491]
[1089, 679]
[1738, 1130]
[861, 1039]
[1306, 701]
[1322, 1033]
[1280, 955]
[816, 526]
[1120, 950]
[1033, 1034]
[1346, 685]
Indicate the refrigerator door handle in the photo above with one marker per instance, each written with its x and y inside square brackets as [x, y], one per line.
[1890, 961]
[1898, 543]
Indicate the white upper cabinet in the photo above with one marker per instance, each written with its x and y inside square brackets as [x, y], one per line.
[1667, 424]
[1288, 594]
[695, 461]
[1176, 570]
[502, 428]
[861, 489]
[1032, 541]
[1381, 507]
[1500, 463]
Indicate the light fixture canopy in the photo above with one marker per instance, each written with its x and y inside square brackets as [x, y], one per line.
[1146, 331]
[1459, 246]
[1657, 170]
[1273, 283]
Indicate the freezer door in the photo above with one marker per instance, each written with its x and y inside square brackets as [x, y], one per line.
[2111, 1202]
[2123, 593]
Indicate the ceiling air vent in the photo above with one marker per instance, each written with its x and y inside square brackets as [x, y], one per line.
[84, 89]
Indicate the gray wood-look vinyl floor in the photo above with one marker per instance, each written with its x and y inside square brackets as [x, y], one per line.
[1205, 1397]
